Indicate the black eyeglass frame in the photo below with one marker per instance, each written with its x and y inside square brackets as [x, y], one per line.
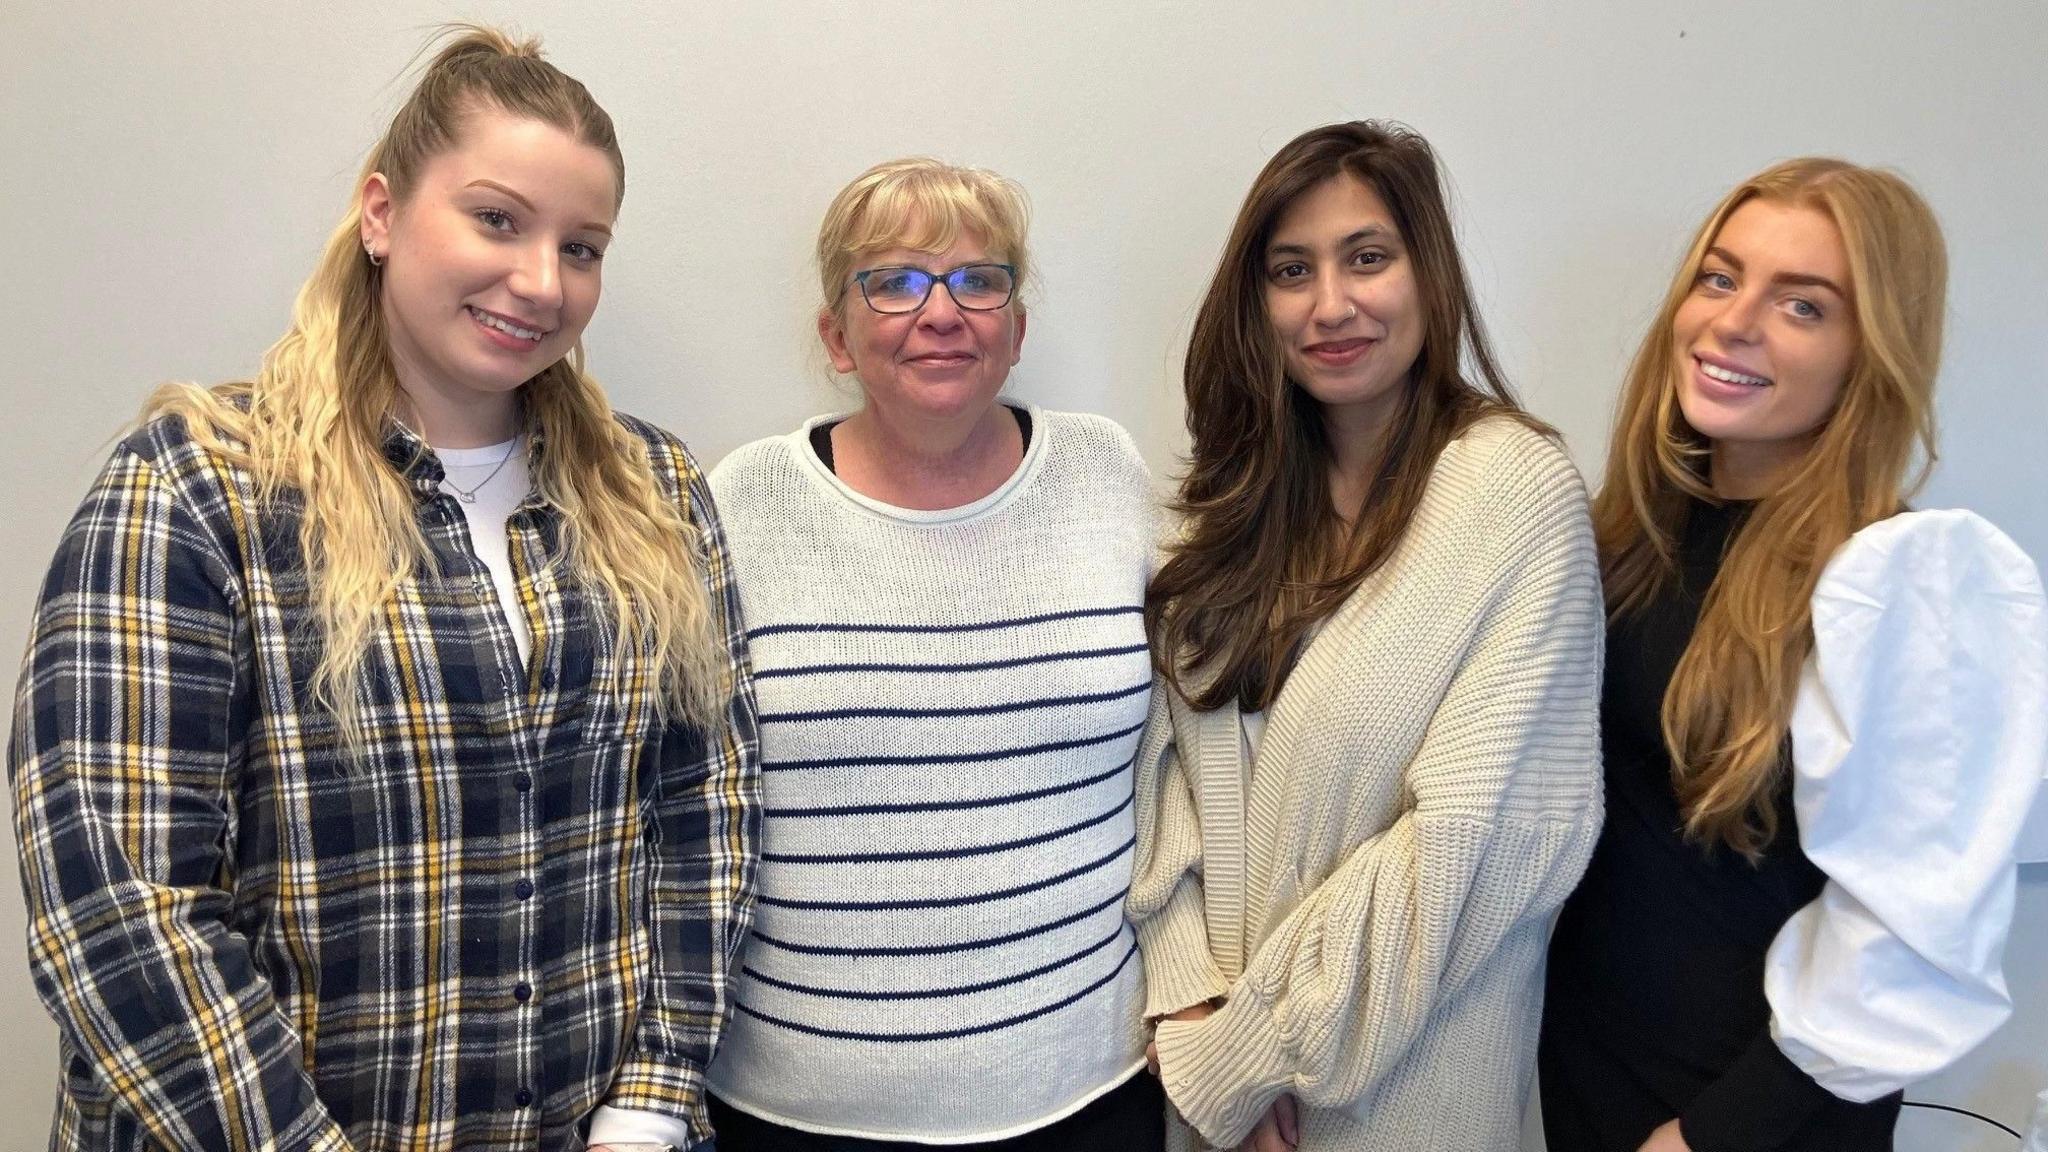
[933, 279]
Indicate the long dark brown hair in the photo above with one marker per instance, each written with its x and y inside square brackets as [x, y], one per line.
[1264, 555]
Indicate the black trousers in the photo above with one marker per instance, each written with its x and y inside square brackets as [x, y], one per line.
[1128, 1118]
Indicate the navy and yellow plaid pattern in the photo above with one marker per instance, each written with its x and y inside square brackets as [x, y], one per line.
[520, 901]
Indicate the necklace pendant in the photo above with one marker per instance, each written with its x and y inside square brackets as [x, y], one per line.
[465, 497]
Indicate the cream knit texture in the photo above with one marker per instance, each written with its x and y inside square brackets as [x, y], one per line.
[949, 703]
[1376, 902]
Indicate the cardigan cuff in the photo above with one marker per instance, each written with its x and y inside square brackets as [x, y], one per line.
[1222, 1072]
[1758, 1103]
[1174, 945]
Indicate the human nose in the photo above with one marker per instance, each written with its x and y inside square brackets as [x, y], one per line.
[1333, 305]
[538, 277]
[940, 311]
[1739, 319]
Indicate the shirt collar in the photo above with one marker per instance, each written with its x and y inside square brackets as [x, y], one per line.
[415, 459]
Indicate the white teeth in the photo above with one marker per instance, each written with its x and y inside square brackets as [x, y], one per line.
[491, 321]
[1729, 376]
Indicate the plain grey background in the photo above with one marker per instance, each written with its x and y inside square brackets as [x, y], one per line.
[171, 170]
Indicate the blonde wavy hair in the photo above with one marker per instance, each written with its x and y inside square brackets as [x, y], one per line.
[924, 205]
[314, 421]
[1729, 705]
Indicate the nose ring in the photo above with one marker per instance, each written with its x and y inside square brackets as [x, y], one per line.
[1353, 314]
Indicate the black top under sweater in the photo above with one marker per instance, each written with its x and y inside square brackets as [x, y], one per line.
[1655, 1002]
[821, 437]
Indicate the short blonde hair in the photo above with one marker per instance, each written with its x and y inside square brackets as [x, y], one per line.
[922, 204]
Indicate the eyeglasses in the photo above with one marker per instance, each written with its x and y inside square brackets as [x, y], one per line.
[975, 287]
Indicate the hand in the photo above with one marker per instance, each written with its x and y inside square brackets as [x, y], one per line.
[1194, 1012]
[1666, 1138]
[1279, 1130]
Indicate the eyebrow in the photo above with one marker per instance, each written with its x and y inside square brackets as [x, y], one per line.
[494, 186]
[1369, 232]
[1806, 279]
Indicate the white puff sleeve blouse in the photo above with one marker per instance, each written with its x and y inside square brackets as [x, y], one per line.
[1919, 739]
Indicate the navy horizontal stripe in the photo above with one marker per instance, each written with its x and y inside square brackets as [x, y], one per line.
[954, 1034]
[939, 993]
[945, 805]
[942, 853]
[938, 949]
[946, 901]
[930, 713]
[977, 626]
[981, 666]
[948, 757]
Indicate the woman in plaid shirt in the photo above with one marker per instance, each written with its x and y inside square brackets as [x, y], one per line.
[384, 759]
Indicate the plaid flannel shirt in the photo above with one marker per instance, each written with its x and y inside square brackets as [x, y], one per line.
[522, 901]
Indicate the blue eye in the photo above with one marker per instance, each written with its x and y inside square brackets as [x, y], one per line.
[1717, 280]
[1805, 309]
[896, 281]
[497, 220]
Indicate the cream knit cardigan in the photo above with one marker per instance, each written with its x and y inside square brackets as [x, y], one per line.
[1375, 895]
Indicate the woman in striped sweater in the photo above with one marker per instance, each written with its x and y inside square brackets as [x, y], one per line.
[944, 597]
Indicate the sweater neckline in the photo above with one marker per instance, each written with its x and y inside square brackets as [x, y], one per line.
[830, 485]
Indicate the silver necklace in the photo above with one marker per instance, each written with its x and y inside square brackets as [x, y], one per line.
[469, 496]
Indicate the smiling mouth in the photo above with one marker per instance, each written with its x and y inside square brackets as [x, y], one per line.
[499, 323]
[1730, 375]
[1338, 351]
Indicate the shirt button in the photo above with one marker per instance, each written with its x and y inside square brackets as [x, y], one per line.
[523, 782]
[523, 889]
[522, 1098]
[522, 992]
[547, 680]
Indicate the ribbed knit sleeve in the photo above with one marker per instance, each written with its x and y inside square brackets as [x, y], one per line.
[1166, 884]
[1505, 809]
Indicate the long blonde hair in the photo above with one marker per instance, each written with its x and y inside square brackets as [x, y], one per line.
[1729, 705]
[315, 419]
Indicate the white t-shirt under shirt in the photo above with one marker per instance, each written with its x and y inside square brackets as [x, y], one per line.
[949, 703]
[497, 478]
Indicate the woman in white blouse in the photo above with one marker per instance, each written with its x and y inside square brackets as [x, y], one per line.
[1822, 714]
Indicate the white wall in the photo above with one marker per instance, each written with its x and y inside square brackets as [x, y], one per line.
[170, 170]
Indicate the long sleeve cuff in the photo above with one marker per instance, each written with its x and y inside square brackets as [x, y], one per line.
[1757, 1104]
[1222, 1072]
[1174, 945]
[674, 1091]
[609, 1125]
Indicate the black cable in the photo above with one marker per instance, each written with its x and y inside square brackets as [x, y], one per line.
[1966, 1112]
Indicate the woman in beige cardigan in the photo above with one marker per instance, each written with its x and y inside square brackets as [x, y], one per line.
[1376, 774]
